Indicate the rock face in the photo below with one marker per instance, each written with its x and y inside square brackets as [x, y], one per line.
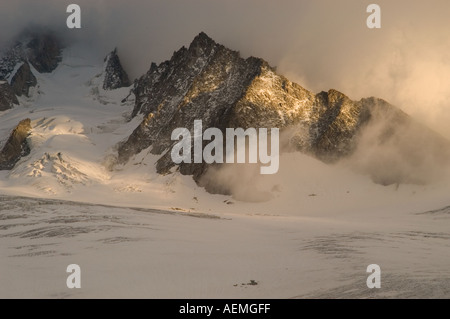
[7, 97]
[202, 82]
[10, 58]
[115, 75]
[393, 148]
[210, 82]
[44, 52]
[41, 49]
[23, 80]
[16, 145]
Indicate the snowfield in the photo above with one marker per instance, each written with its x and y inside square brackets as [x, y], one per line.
[148, 253]
[309, 231]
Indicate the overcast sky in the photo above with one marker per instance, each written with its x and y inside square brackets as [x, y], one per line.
[320, 44]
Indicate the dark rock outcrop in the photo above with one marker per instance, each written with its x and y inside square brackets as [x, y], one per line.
[41, 49]
[214, 84]
[7, 97]
[210, 82]
[115, 75]
[16, 146]
[44, 52]
[23, 80]
[10, 58]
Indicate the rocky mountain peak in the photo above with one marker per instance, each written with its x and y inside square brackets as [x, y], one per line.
[202, 43]
[23, 80]
[115, 75]
[41, 49]
[16, 146]
[44, 51]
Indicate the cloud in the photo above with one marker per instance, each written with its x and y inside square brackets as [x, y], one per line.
[320, 44]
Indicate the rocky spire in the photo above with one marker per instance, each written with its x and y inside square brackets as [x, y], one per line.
[44, 52]
[23, 80]
[115, 75]
[7, 96]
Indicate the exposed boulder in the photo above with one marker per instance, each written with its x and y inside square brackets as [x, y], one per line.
[40, 48]
[16, 146]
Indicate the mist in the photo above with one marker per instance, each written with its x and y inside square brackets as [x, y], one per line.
[319, 44]
[390, 154]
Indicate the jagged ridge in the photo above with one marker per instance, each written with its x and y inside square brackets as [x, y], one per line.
[210, 82]
[41, 49]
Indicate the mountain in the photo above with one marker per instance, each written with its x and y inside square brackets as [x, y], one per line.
[115, 75]
[202, 82]
[41, 49]
[7, 96]
[102, 123]
[23, 80]
[207, 81]
[16, 146]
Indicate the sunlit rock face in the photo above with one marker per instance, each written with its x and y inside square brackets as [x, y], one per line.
[7, 97]
[207, 81]
[16, 146]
